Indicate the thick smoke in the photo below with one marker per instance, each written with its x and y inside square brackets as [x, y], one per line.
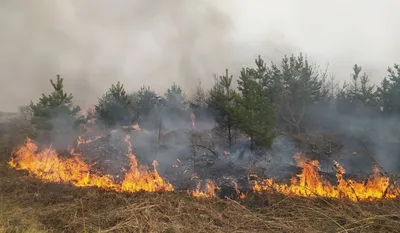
[95, 43]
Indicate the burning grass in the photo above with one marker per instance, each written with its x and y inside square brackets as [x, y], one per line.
[310, 184]
[30, 205]
[47, 166]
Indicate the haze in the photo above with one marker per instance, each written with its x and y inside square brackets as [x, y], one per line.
[94, 44]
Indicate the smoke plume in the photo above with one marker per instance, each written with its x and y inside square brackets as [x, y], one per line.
[95, 43]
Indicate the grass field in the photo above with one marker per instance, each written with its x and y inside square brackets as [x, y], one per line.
[28, 205]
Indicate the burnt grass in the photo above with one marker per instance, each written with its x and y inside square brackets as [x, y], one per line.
[29, 205]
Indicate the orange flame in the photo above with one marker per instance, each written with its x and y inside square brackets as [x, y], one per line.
[209, 191]
[310, 184]
[47, 166]
[241, 195]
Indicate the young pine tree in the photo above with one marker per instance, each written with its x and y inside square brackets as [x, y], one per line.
[389, 92]
[255, 115]
[361, 97]
[292, 86]
[55, 109]
[199, 102]
[115, 107]
[145, 103]
[175, 102]
[222, 103]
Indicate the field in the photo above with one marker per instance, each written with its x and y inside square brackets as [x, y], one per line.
[28, 205]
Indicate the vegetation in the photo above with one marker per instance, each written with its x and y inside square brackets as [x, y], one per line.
[55, 108]
[28, 205]
[267, 100]
[115, 107]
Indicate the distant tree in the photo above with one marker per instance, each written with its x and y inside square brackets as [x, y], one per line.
[255, 114]
[175, 101]
[55, 109]
[198, 102]
[115, 107]
[145, 104]
[200, 98]
[360, 97]
[361, 90]
[389, 92]
[222, 104]
[293, 86]
[385, 97]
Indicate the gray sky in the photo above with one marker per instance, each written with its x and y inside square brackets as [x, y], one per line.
[94, 43]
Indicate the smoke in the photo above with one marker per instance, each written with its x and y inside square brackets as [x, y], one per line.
[366, 138]
[96, 43]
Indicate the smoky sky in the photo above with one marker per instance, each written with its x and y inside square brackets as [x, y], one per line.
[95, 43]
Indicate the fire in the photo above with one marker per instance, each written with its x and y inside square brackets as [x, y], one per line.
[240, 194]
[48, 166]
[310, 184]
[209, 191]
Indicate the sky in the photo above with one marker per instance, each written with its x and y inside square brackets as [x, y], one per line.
[96, 43]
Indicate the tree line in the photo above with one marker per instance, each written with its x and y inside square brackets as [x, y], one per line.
[267, 99]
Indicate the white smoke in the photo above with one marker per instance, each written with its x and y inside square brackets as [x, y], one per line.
[96, 43]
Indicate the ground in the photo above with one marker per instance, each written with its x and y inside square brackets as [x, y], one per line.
[29, 205]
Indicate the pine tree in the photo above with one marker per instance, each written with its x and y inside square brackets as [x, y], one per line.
[384, 95]
[390, 91]
[55, 109]
[175, 101]
[361, 90]
[145, 103]
[292, 87]
[222, 103]
[254, 113]
[360, 97]
[200, 98]
[115, 107]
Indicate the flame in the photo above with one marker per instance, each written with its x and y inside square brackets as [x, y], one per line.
[48, 166]
[240, 194]
[310, 184]
[209, 191]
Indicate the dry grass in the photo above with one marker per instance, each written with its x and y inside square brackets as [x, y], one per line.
[27, 205]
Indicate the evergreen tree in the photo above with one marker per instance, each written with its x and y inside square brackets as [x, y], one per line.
[144, 102]
[360, 97]
[293, 87]
[200, 98]
[115, 107]
[175, 101]
[361, 90]
[254, 113]
[390, 91]
[55, 109]
[385, 98]
[222, 103]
